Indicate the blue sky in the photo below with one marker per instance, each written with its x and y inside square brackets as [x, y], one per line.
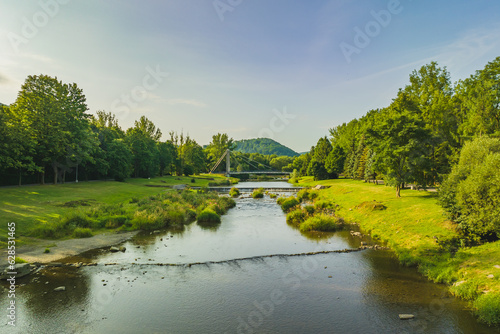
[249, 68]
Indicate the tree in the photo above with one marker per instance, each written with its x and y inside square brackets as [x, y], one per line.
[335, 161]
[121, 156]
[400, 143]
[471, 193]
[166, 156]
[145, 152]
[55, 115]
[219, 144]
[192, 157]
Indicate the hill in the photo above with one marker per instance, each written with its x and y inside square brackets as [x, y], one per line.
[264, 146]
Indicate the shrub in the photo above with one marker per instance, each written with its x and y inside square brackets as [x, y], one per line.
[296, 217]
[115, 221]
[322, 223]
[468, 290]
[272, 195]
[258, 193]
[208, 216]
[309, 209]
[80, 232]
[20, 260]
[289, 203]
[323, 205]
[234, 192]
[487, 308]
[303, 195]
[280, 200]
[47, 250]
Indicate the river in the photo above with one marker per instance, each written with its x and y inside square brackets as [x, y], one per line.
[222, 280]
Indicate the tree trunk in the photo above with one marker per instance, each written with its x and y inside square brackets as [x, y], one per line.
[64, 177]
[42, 175]
[20, 174]
[398, 191]
[54, 166]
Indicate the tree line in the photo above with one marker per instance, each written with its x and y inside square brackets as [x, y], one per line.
[434, 133]
[48, 133]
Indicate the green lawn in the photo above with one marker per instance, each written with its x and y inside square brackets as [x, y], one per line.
[411, 226]
[31, 205]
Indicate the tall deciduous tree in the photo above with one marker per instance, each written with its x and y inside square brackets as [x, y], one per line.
[219, 144]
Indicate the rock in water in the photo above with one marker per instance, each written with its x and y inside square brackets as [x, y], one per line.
[22, 269]
[406, 316]
[122, 248]
[60, 288]
[114, 249]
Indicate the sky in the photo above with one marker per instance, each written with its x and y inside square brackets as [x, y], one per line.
[282, 69]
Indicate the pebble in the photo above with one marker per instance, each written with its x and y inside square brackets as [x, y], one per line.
[406, 316]
[60, 288]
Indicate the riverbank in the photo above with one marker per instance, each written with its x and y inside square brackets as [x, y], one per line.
[35, 206]
[60, 249]
[415, 227]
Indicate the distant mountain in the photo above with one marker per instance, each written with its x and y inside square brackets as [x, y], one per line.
[264, 146]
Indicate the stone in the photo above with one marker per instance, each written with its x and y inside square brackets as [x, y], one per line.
[114, 249]
[490, 276]
[406, 316]
[122, 248]
[22, 269]
[60, 288]
[497, 266]
[363, 243]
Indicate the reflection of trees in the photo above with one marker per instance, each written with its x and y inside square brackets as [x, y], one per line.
[48, 311]
[209, 226]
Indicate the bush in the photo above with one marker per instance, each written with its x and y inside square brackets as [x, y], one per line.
[280, 200]
[309, 209]
[323, 205]
[487, 308]
[234, 192]
[303, 195]
[47, 250]
[208, 216]
[289, 203]
[272, 195]
[321, 223]
[296, 217]
[471, 193]
[80, 232]
[258, 193]
[19, 260]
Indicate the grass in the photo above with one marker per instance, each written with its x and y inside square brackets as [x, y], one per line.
[208, 216]
[321, 223]
[415, 227]
[38, 207]
[234, 192]
[258, 193]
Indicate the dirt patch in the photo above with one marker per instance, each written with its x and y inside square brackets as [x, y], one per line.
[67, 248]
[81, 202]
[372, 206]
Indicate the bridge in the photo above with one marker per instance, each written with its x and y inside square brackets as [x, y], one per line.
[228, 172]
[251, 189]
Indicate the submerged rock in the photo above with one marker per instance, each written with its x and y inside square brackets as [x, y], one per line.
[406, 316]
[122, 248]
[21, 270]
[60, 288]
[114, 249]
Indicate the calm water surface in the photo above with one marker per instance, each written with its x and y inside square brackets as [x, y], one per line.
[360, 292]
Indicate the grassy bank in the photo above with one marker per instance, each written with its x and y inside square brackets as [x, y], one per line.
[415, 227]
[34, 206]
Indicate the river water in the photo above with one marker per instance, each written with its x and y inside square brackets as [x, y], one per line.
[222, 280]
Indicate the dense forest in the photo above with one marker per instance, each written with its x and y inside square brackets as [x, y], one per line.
[265, 146]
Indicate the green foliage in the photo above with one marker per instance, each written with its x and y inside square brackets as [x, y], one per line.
[487, 308]
[335, 161]
[296, 217]
[324, 206]
[468, 290]
[288, 203]
[234, 192]
[47, 250]
[321, 223]
[471, 193]
[208, 216]
[19, 260]
[80, 232]
[264, 146]
[258, 193]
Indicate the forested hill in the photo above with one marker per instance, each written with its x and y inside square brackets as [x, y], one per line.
[264, 146]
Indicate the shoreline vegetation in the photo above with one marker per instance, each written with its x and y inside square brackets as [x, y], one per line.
[72, 210]
[415, 227]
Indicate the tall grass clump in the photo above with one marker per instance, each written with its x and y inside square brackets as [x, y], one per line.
[258, 193]
[81, 232]
[487, 308]
[234, 192]
[296, 217]
[321, 223]
[288, 203]
[208, 216]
